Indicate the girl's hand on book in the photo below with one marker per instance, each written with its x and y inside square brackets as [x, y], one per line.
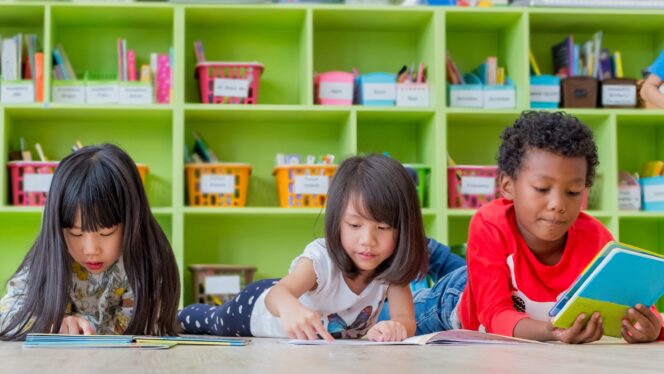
[387, 331]
[76, 326]
[578, 333]
[645, 328]
[304, 324]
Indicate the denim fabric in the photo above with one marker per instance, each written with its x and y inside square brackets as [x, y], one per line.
[436, 307]
[441, 262]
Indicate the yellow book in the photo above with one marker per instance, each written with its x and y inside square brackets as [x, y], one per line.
[617, 59]
[533, 63]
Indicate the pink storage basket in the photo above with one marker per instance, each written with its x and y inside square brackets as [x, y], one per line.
[237, 82]
[471, 186]
[334, 88]
[30, 181]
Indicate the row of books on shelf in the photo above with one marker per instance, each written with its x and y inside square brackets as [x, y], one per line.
[21, 69]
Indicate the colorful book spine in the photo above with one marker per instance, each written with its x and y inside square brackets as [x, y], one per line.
[163, 79]
[39, 77]
[131, 64]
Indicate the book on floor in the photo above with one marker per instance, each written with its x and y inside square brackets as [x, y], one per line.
[618, 278]
[437, 338]
[126, 341]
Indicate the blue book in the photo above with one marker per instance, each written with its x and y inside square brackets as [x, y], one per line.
[127, 341]
[618, 278]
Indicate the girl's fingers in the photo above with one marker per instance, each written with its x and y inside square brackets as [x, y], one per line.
[85, 326]
[320, 329]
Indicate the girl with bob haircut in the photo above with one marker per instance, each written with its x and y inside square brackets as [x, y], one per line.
[374, 246]
[101, 263]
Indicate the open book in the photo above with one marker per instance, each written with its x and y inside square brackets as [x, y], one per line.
[618, 278]
[438, 338]
[126, 341]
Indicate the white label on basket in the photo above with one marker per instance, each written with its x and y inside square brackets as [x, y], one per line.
[496, 99]
[222, 284]
[231, 87]
[412, 95]
[335, 91]
[311, 184]
[104, 93]
[653, 193]
[629, 198]
[617, 94]
[136, 94]
[379, 91]
[20, 92]
[69, 94]
[217, 183]
[37, 182]
[540, 93]
[478, 185]
[466, 98]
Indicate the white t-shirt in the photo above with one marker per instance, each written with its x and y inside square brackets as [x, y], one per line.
[344, 313]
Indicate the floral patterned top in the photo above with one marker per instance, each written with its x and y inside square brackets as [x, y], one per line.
[105, 300]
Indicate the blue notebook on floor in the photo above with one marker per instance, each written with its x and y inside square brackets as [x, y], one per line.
[619, 277]
[126, 341]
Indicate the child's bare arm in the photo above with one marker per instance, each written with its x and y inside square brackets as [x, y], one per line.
[578, 333]
[650, 91]
[282, 301]
[402, 316]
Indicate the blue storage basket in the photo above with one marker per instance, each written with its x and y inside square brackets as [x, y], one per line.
[387, 98]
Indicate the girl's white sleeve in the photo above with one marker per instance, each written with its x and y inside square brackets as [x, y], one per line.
[317, 253]
[13, 300]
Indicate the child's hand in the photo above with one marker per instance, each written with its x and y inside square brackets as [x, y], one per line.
[387, 331]
[646, 327]
[76, 326]
[302, 323]
[578, 333]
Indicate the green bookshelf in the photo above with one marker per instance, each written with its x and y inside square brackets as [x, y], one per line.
[293, 42]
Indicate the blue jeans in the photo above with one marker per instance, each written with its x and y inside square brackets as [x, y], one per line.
[434, 306]
[442, 262]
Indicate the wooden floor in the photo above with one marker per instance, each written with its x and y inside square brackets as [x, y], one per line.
[271, 356]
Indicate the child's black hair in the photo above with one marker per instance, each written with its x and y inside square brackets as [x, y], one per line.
[102, 184]
[387, 194]
[556, 132]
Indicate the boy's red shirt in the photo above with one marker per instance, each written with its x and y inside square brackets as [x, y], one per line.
[506, 282]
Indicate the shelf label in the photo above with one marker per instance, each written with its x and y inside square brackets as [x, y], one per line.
[478, 185]
[222, 184]
[413, 95]
[622, 95]
[17, 92]
[540, 93]
[500, 98]
[460, 98]
[629, 198]
[222, 284]
[37, 182]
[69, 93]
[102, 93]
[136, 94]
[231, 87]
[653, 193]
[379, 91]
[335, 91]
[311, 184]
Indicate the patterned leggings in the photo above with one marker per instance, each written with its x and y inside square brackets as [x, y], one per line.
[230, 319]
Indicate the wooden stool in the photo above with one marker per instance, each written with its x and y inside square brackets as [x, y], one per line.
[202, 271]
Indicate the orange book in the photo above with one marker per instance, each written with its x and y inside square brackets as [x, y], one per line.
[39, 77]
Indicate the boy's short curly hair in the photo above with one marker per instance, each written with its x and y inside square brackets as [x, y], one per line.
[556, 132]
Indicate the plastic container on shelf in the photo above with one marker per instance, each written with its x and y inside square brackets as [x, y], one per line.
[217, 185]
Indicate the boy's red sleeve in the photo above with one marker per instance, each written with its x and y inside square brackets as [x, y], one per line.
[489, 278]
[659, 315]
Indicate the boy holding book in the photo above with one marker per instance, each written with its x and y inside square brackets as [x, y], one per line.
[528, 247]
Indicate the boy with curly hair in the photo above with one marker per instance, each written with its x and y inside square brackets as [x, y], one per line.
[529, 246]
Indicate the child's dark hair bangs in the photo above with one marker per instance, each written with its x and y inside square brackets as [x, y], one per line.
[96, 195]
[377, 204]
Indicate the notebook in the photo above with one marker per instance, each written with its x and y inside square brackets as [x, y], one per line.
[126, 341]
[436, 338]
[618, 278]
